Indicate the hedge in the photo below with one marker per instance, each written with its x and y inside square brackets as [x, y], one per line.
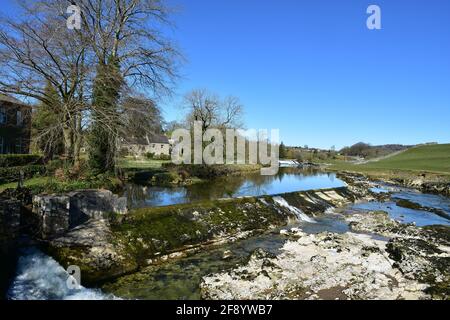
[11, 174]
[18, 160]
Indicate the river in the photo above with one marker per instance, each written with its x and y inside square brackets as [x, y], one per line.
[41, 277]
[287, 180]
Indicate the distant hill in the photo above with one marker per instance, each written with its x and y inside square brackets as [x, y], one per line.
[433, 158]
[368, 151]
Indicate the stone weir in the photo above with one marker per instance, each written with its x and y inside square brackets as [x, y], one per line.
[120, 244]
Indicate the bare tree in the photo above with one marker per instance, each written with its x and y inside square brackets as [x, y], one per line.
[38, 49]
[140, 117]
[210, 110]
[125, 34]
[129, 32]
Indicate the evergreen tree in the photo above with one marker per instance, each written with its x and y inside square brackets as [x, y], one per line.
[105, 120]
[283, 151]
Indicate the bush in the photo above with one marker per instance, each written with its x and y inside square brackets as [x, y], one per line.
[123, 152]
[18, 160]
[162, 157]
[165, 157]
[165, 179]
[12, 174]
[150, 155]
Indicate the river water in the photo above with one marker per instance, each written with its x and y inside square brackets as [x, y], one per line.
[287, 180]
[41, 277]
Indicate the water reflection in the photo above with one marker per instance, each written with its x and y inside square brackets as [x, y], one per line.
[287, 180]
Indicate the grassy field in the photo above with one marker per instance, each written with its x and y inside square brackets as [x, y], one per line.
[430, 158]
[28, 183]
[131, 163]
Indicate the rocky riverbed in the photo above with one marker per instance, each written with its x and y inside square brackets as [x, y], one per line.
[387, 261]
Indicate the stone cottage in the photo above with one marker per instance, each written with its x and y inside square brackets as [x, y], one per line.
[156, 144]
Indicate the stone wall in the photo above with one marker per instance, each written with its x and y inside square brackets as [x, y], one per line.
[53, 214]
[57, 214]
[9, 231]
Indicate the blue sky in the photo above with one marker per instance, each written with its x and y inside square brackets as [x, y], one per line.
[313, 70]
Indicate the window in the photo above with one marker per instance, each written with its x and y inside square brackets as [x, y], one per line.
[19, 118]
[19, 145]
[1, 145]
[2, 116]
[153, 146]
[162, 146]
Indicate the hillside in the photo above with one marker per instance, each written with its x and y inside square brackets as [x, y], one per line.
[430, 158]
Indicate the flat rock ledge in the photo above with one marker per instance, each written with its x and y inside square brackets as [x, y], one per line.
[402, 262]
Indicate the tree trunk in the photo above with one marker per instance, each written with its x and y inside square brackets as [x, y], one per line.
[68, 139]
[77, 140]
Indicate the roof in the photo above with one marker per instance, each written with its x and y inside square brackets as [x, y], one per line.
[11, 100]
[152, 138]
[158, 138]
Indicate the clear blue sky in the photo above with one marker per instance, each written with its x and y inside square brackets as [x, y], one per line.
[313, 70]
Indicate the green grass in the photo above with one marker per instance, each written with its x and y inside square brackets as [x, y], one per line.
[33, 182]
[430, 158]
[52, 185]
[131, 163]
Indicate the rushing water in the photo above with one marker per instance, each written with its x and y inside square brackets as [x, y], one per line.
[287, 180]
[39, 277]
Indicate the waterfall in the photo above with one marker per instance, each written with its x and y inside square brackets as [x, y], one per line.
[300, 215]
[39, 277]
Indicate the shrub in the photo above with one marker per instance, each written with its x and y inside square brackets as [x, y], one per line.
[150, 155]
[162, 157]
[123, 152]
[12, 174]
[18, 160]
[165, 157]
[165, 179]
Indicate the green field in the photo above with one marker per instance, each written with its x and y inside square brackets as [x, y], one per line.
[429, 158]
[131, 163]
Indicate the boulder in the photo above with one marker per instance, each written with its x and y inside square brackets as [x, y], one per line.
[94, 204]
[58, 214]
[53, 214]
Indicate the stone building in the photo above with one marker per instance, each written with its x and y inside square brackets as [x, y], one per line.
[156, 144]
[15, 126]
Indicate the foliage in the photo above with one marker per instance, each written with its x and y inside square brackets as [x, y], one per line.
[12, 174]
[17, 160]
[103, 135]
[367, 151]
[283, 151]
[150, 155]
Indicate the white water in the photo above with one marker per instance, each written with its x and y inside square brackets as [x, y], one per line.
[300, 215]
[39, 277]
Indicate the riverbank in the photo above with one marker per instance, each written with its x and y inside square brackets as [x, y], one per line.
[425, 168]
[424, 182]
